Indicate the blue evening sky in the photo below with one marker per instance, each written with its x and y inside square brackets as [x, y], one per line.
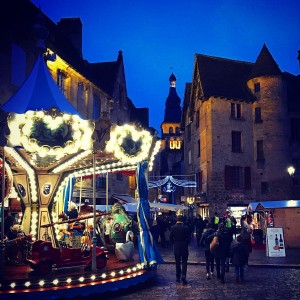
[156, 36]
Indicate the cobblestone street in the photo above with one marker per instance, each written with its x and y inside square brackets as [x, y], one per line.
[268, 281]
[260, 283]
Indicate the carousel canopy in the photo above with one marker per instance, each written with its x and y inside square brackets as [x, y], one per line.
[39, 92]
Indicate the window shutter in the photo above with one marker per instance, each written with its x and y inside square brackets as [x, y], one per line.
[247, 174]
[227, 178]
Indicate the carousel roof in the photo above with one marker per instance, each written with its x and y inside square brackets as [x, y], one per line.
[39, 92]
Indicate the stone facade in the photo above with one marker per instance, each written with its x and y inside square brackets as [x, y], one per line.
[237, 131]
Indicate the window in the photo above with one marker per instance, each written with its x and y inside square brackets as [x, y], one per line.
[61, 81]
[264, 187]
[177, 130]
[97, 107]
[198, 148]
[199, 182]
[18, 65]
[197, 119]
[257, 87]
[171, 130]
[236, 138]
[260, 150]
[258, 115]
[235, 110]
[190, 157]
[295, 129]
[237, 178]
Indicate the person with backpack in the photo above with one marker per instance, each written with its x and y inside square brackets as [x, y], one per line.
[205, 243]
[222, 251]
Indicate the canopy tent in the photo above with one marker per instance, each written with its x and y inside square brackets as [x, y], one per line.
[39, 91]
[253, 206]
[160, 206]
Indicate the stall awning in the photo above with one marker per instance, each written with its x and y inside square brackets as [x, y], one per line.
[124, 198]
[273, 204]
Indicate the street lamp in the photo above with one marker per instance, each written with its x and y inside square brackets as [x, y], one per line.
[291, 170]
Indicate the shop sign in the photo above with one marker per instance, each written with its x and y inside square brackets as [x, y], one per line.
[275, 242]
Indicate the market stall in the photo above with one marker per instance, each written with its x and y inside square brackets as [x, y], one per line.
[278, 214]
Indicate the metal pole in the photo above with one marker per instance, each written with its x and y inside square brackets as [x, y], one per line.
[94, 263]
[106, 193]
[2, 245]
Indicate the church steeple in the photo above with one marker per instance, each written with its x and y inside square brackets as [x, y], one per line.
[172, 105]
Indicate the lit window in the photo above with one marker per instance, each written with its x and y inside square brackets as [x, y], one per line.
[61, 81]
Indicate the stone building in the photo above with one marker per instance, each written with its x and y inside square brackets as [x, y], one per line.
[242, 131]
[96, 90]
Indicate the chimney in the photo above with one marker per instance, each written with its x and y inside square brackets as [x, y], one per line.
[72, 28]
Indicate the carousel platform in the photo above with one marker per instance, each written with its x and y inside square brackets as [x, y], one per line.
[21, 282]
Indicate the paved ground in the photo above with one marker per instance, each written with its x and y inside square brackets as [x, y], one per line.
[266, 278]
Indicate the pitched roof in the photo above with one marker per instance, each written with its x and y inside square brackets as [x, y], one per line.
[265, 65]
[224, 78]
[39, 91]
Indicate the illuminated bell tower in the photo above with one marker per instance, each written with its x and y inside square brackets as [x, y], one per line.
[172, 147]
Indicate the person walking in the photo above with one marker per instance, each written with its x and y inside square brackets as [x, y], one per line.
[239, 256]
[222, 251]
[209, 258]
[180, 237]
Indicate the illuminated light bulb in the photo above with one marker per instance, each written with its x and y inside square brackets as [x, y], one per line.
[55, 281]
[112, 274]
[103, 275]
[93, 277]
[69, 280]
[27, 283]
[121, 272]
[128, 270]
[81, 279]
[13, 285]
[41, 282]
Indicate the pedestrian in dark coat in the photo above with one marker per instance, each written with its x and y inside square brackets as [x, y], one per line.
[222, 252]
[205, 242]
[239, 258]
[180, 236]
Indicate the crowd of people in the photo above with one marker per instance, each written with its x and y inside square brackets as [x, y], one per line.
[232, 248]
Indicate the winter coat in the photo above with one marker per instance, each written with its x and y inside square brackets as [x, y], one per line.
[180, 235]
[204, 241]
[225, 239]
[239, 254]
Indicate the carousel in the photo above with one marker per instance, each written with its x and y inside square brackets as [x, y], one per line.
[57, 250]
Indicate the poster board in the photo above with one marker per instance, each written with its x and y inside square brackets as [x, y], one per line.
[275, 242]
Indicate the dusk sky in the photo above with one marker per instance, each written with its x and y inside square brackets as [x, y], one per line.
[156, 36]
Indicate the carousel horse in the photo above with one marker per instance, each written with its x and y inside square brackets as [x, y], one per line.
[125, 251]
